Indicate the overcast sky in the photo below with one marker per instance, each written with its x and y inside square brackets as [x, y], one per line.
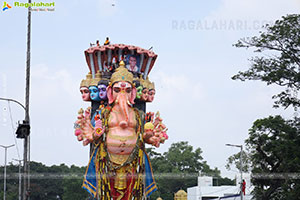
[195, 94]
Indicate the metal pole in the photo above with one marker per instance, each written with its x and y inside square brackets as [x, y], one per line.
[20, 175]
[5, 147]
[241, 167]
[20, 179]
[241, 160]
[4, 195]
[26, 190]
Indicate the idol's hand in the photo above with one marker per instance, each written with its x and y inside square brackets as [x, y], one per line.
[160, 130]
[148, 132]
[77, 125]
[99, 128]
[87, 128]
[83, 127]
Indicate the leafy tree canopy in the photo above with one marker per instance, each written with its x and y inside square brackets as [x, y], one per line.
[54, 182]
[279, 63]
[179, 168]
[274, 147]
[274, 158]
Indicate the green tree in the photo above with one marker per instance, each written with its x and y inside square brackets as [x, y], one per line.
[12, 181]
[235, 160]
[54, 182]
[274, 155]
[179, 168]
[273, 142]
[46, 182]
[279, 60]
[72, 184]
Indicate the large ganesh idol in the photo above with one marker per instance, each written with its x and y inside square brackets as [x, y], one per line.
[119, 167]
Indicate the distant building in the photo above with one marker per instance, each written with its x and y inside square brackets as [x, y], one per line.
[205, 190]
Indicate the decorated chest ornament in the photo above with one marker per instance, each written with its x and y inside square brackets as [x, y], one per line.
[116, 124]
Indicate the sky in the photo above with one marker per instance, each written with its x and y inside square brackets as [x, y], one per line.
[195, 95]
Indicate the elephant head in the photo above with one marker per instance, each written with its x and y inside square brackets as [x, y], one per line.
[122, 93]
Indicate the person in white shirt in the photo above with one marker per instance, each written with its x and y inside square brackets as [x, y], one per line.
[132, 64]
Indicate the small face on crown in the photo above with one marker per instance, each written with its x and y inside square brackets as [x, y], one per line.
[85, 93]
[139, 92]
[151, 94]
[102, 91]
[94, 93]
[144, 96]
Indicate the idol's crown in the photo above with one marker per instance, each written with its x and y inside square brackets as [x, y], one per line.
[84, 83]
[94, 81]
[121, 74]
[151, 86]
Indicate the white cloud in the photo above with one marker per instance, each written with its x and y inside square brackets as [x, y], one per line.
[50, 83]
[197, 91]
[55, 100]
[175, 87]
[255, 9]
[247, 15]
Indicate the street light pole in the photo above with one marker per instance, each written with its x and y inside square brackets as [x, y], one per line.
[25, 142]
[26, 155]
[241, 167]
[20, 179]
[26, 191]
[6, 99]
[5, 147]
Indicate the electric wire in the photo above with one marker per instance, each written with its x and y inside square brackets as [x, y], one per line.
[13, 130]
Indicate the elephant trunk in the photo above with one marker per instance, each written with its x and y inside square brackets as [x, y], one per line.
[124, 109]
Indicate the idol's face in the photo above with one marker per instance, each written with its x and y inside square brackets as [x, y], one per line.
[85, 93]
[151, 94]
[139, 92]
[102, 91]
[144, 94]
[94, 93]
[122, 93]
[122, 88]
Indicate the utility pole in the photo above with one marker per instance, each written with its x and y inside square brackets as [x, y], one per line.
[26, 189]
[22, 131]
[5, 147]
[241, 160]
[20, 178]
[241, 168]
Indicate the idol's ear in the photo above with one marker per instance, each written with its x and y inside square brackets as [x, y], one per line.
[109, 94]
[133, 95]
